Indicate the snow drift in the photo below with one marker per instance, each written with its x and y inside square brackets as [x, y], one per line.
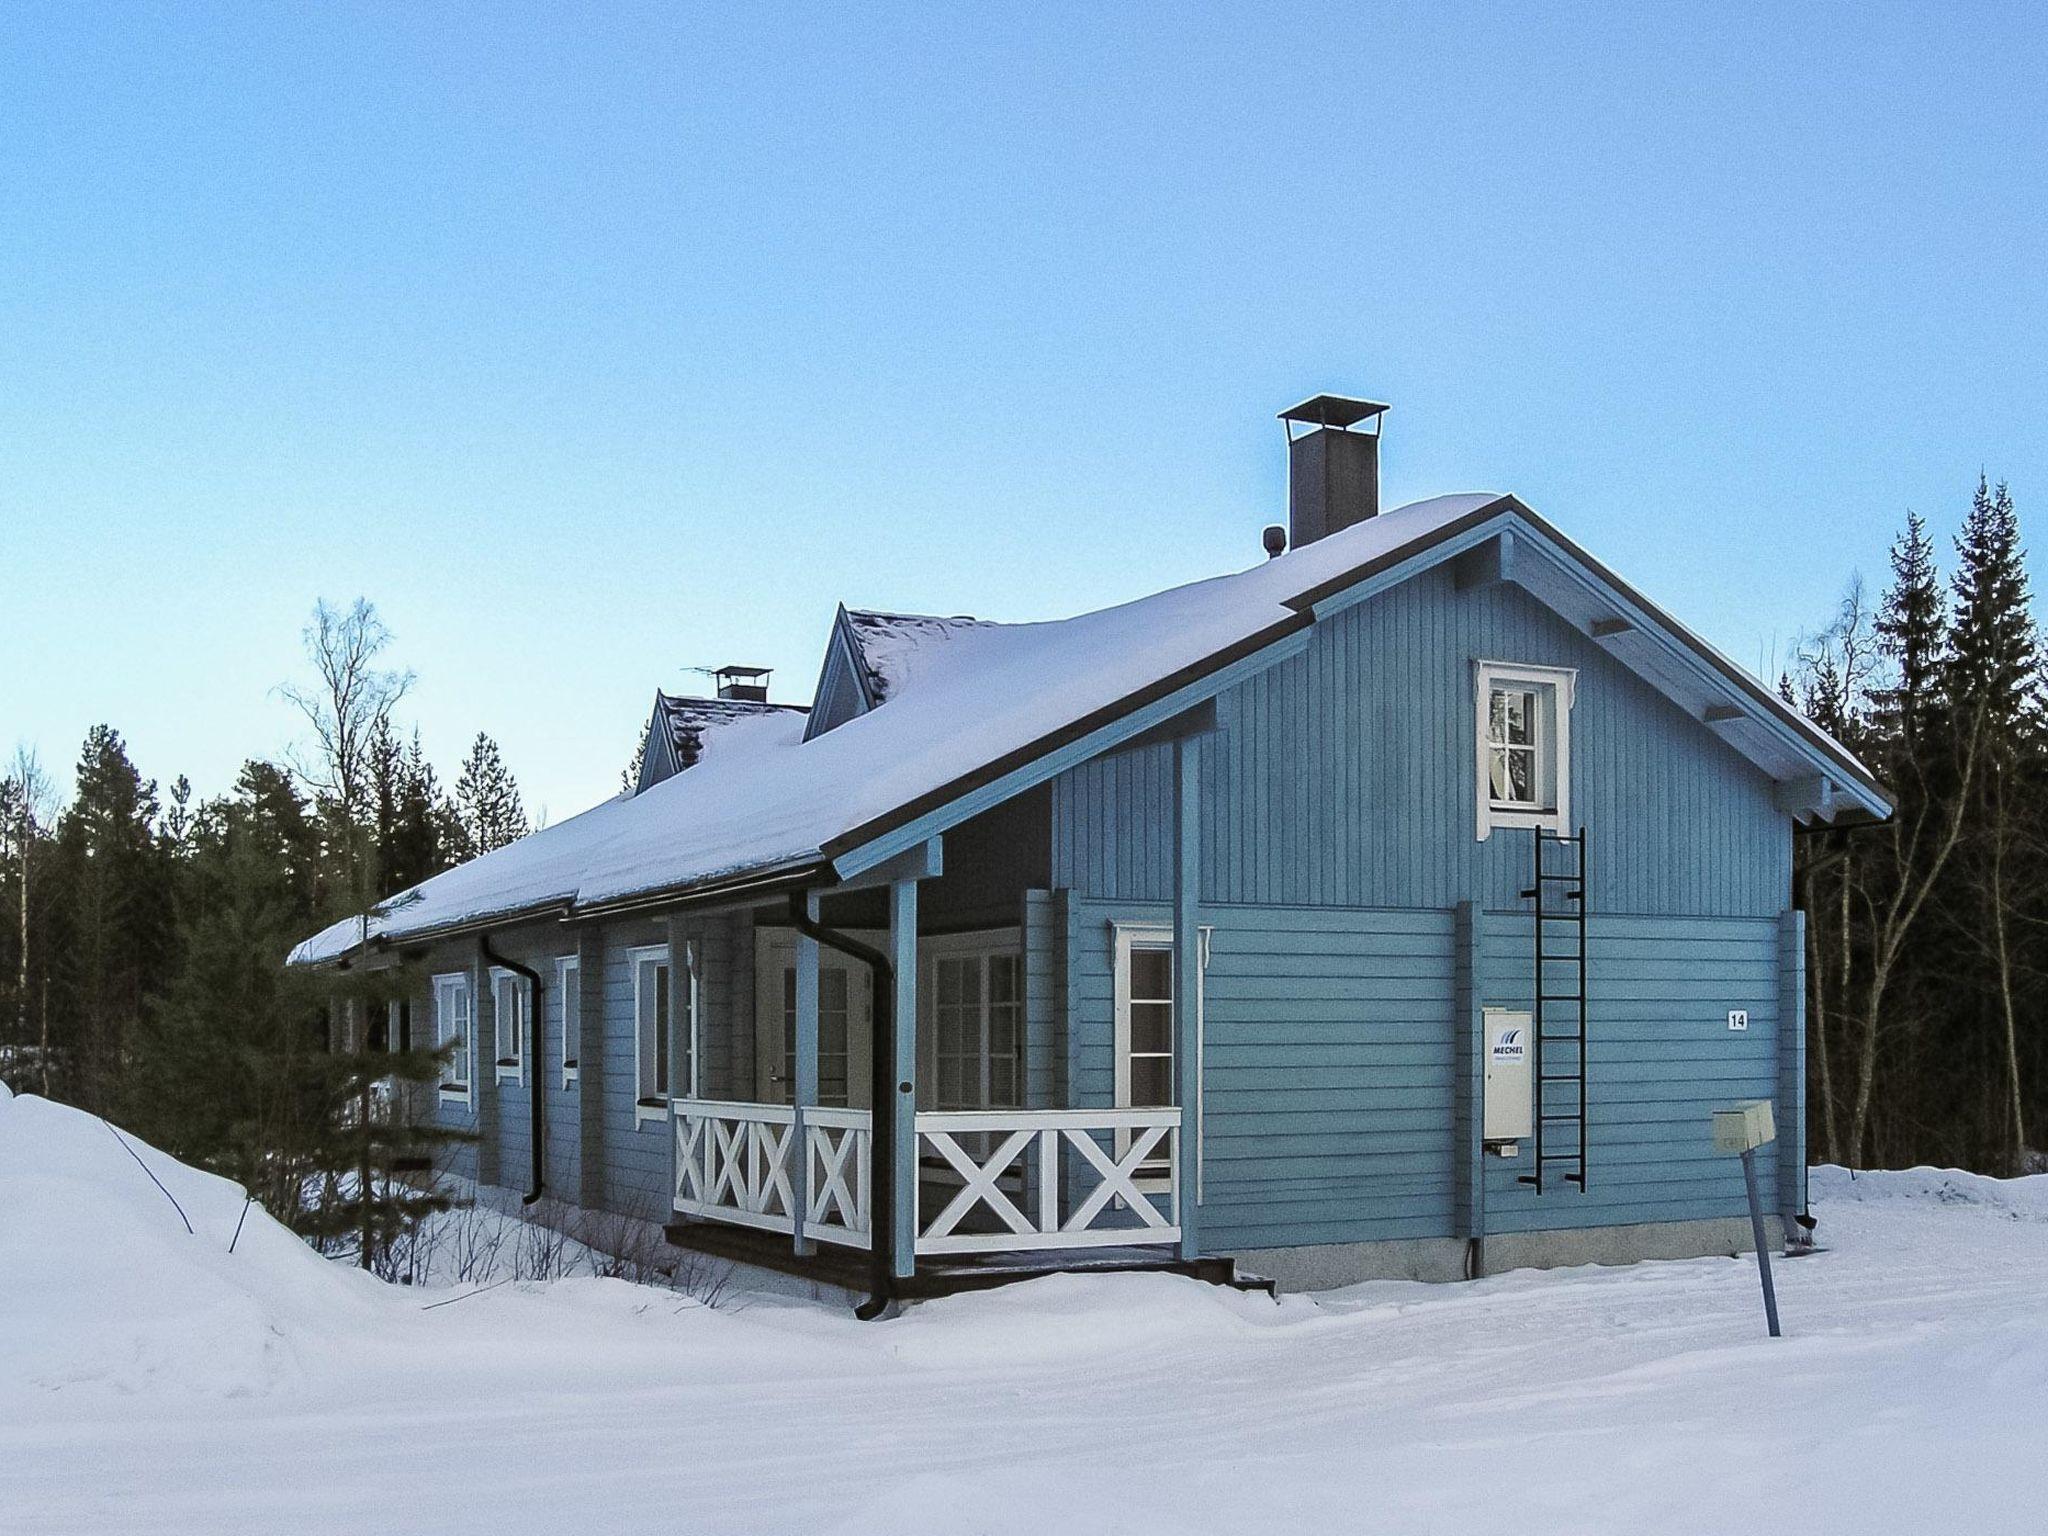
[97, 1261]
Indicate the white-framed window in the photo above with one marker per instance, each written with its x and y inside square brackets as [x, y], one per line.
[835, 1035]
[454, 1016]
[512, 1018]
[393, 1032]
[845, 1035]
[651, 1032]
[1522, 745]
[1144, 1031]
[976, 1022]
[569, 1009]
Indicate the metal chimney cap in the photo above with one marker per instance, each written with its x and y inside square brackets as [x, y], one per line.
[1333, 411]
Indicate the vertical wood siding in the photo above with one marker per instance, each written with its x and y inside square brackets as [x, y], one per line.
[1345, 777]
[1360, 926]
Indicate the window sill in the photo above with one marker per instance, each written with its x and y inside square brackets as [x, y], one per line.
[647, 1111]
[1512, 817]
[454, 1093]
[511, 1074]
[570, 1074]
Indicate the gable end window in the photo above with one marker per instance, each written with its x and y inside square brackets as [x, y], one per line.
[1522, 741]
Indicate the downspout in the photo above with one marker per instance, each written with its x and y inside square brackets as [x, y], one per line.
[882, 1105]
[534, 1014]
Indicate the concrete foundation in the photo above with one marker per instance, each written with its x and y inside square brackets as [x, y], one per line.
[1326, 1266]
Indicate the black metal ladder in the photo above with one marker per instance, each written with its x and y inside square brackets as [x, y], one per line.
[1559, 891]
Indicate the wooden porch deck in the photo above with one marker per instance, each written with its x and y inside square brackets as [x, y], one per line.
[945, 1275]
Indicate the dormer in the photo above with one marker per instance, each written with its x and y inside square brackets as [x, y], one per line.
[871, 657]
[682, 729]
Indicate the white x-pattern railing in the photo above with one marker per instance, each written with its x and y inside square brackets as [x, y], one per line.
[1027, 1178]
[1058, 1162]
[838, 1144]
[733, 1162]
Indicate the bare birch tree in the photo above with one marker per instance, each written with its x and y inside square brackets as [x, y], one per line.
[350, 699]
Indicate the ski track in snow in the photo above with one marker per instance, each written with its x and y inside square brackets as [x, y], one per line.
[149, 1382]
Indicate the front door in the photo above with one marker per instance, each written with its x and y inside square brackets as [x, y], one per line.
[845, 1036]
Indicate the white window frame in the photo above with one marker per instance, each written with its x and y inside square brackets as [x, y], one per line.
[643, 959]
[1147, 935]
[568, 983]
[1556, 686]
[774, 954]
[458, 985]
[984, 947]
[394, 1009]
[510, 1068]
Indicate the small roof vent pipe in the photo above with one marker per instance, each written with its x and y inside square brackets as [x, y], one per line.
[1333, 467]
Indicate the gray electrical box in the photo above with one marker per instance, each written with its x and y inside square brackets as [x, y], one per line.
[1744, 1128]
[1510, 1078]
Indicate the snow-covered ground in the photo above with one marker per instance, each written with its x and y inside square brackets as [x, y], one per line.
[150, 1381]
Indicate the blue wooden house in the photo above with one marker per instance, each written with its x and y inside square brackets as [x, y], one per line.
[1403, 904]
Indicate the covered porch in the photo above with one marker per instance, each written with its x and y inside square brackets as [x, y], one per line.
[885, 1117]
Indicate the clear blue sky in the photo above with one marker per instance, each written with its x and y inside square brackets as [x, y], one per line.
[595, 343]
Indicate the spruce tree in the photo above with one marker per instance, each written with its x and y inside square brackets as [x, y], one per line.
[111, 879]
[1911, 630]
[418, 844]
[1995, 660]
[1994, 686]
[387, 793]
[228, 1067]
[488, 800]
[378, 1156]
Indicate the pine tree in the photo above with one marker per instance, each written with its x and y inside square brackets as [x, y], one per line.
[488, 800]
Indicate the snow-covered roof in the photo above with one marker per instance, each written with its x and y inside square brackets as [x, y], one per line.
[965, 700]
[888, 645]
[682, 729]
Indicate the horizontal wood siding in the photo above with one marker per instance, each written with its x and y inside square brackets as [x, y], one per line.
[637, 1157]
[1336, 1043]
[1043, 941]
[1660, 1060]
[1328, 1068]
[1345, 777]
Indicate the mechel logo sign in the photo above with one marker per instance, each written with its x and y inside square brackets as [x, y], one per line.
[1508, 1045]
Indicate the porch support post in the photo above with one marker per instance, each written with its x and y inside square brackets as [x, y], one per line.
[676, 933]
[900, 1034]
[1187, 980]
[805, 1089]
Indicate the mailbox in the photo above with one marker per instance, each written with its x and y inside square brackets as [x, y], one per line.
[1744, 1128]
[1510, 1080]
